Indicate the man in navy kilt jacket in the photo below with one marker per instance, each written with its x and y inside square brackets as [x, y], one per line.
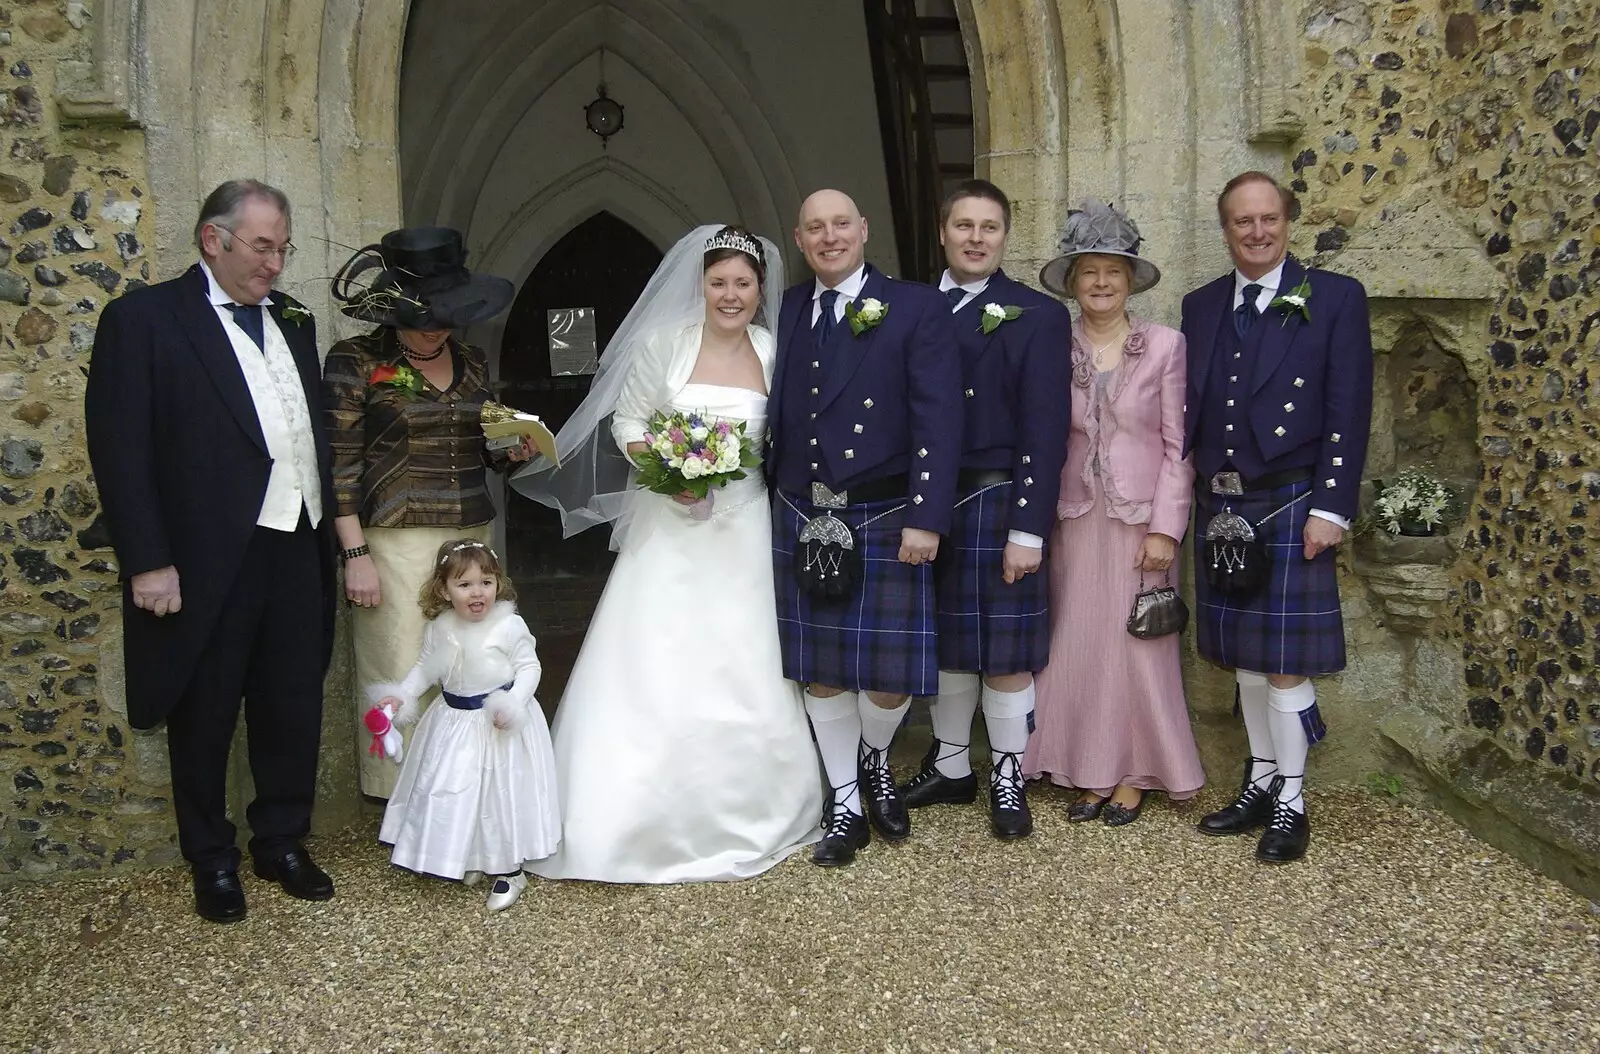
[865, 421]
[992, 590]
[1279, 409]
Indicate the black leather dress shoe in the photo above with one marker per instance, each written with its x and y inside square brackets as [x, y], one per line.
[931, 787]
[885, 807]
[1286, 837]
[1009, 815]
[1251, 809]
[218, 896]
[298, 875]
[845, 833]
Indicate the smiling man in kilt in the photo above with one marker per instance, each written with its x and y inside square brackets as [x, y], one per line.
[993, 594]
[865, 420]
[1279, 409]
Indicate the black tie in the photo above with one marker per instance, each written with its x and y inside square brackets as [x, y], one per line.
[1245, 315]
[956, 295]
[248, 318]
[826, 321]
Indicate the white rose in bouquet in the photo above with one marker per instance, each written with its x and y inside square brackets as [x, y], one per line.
[692, 468]
[699, 433]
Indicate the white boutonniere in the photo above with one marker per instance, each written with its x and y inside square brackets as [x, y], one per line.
[1295, 301]
[995, 314]
[295, 313]
[871, 312]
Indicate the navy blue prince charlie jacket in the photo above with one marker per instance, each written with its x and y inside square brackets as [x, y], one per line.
[1293, 394]
[859, 409]
[1018, 396]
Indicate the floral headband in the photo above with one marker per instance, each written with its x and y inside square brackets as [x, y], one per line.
[454, 549]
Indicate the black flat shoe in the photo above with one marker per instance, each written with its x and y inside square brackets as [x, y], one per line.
[931, 787]
[1115, 815]
[218, 896]
[1084, 811]
[1009, 815]
[298, 875]
[1251, 809]
[885, 808]
[844, 833]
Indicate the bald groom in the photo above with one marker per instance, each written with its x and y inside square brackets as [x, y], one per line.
[865, 419]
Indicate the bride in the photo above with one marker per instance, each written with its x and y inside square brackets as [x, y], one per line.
[682, 753]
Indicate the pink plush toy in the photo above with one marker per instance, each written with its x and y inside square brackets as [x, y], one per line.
[385, 737]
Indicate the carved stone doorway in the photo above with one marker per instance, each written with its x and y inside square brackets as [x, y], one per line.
[563, 316]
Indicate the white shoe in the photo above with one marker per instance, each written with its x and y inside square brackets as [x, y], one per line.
[471, 878]
[505, 891]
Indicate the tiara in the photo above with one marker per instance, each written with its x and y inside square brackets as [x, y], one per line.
[736, 241]
[454, 549]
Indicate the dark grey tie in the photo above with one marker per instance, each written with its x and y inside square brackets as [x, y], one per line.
[827, 320]
[956, 295]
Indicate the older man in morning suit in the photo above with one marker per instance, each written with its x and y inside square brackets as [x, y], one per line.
[1279, 410]
[204, 419]
[991, 580]
[865, 419]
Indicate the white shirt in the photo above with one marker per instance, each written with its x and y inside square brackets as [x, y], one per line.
[972, 289]
[848, 289]
[1269, 284]
[273, 379]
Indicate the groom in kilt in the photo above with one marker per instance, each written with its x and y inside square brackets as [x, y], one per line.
[992, 591]
[865, 420]
[1279, 409]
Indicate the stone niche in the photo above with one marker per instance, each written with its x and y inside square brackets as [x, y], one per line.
[1424, 417]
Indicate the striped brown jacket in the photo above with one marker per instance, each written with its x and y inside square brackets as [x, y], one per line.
[400, 462]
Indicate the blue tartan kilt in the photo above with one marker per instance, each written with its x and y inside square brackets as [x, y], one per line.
[986, 625]
[1293, 624]
[884, 638]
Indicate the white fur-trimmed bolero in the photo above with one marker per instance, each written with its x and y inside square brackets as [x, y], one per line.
[473, 658]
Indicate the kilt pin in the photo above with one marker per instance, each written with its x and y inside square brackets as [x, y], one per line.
[1279, 408]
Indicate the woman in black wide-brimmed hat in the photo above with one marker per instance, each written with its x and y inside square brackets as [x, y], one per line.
[409, 460]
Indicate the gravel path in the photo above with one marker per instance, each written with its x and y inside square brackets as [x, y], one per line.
[1400, 933]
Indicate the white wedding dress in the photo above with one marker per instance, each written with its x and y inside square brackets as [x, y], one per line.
[682, 753]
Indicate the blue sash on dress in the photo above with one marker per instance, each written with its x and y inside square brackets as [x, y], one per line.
[471, 702]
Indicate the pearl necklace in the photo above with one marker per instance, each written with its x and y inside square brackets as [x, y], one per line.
[416, 356]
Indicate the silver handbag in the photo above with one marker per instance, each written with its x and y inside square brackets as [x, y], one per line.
[1157, 612]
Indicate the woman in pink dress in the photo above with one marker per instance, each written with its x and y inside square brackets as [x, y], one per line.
[1111, 718]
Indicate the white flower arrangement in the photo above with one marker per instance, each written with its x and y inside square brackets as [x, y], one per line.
[1412, 498]
[871, 312]
[995, 314]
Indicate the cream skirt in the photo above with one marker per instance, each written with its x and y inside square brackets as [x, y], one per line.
[389, 636]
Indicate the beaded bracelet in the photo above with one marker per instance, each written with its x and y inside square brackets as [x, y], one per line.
[350, 554]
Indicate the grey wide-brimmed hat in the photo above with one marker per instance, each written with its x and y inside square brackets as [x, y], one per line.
[1103, 230]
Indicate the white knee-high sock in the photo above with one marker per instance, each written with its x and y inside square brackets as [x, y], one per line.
[878, 725]
[838, 730]
[1005, 715]
[1253, 705]
[952, 713]
[1289, 737]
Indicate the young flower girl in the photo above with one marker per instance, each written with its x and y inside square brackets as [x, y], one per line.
[477, 791]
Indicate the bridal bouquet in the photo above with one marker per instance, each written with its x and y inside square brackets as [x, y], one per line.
[694, 453]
